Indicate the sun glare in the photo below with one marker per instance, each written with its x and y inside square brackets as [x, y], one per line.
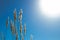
[50, 8]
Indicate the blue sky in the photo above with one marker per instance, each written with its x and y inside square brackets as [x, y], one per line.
[37, 25]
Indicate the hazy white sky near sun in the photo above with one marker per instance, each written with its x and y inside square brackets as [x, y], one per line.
[50, 8]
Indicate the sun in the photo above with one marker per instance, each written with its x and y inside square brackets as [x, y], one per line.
[50, 8]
